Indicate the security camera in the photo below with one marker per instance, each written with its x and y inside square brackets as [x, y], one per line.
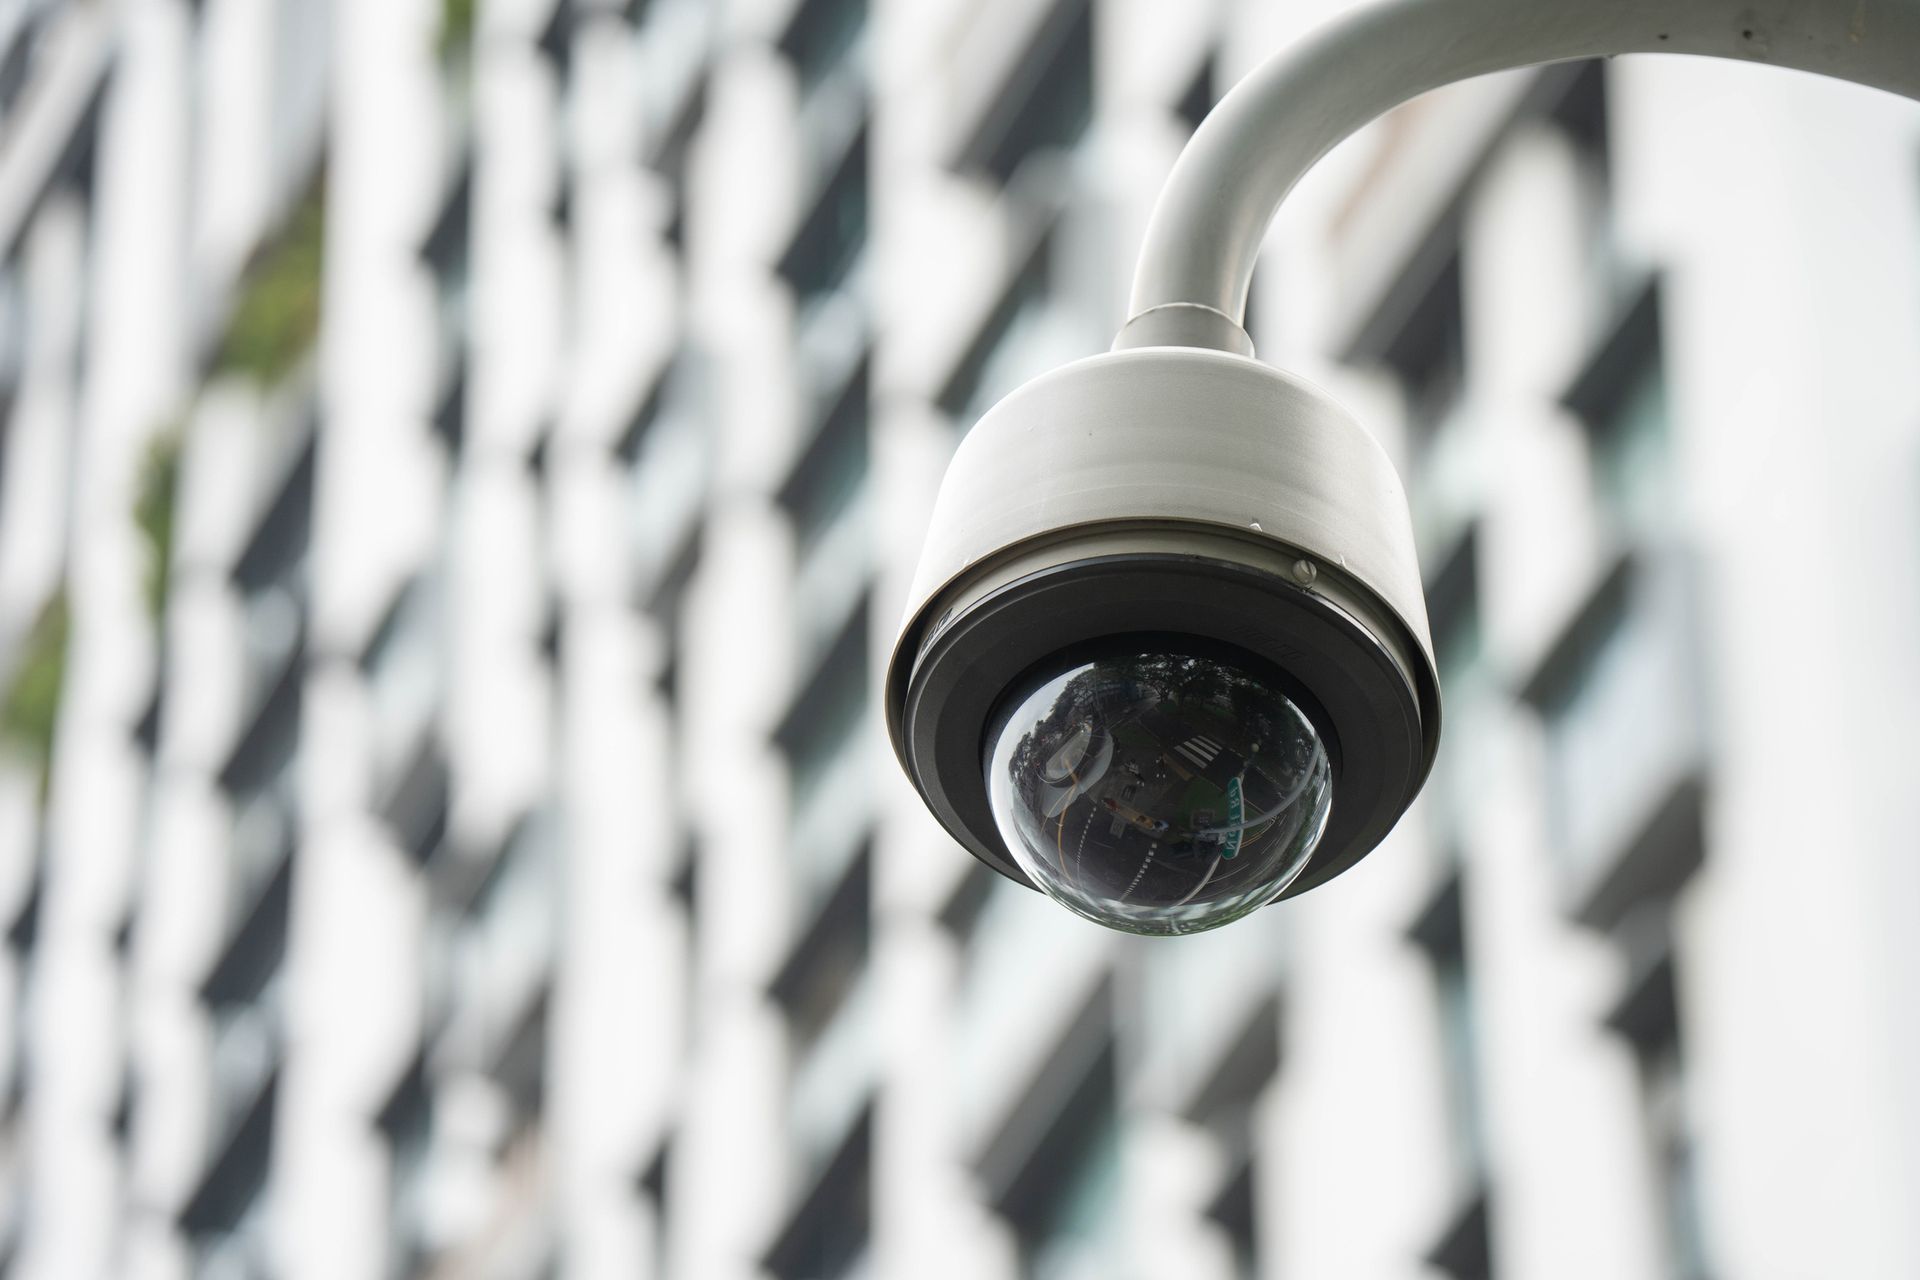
[1166, 655]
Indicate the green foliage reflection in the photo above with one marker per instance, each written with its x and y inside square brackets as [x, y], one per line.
[277, 317]
[32, 704]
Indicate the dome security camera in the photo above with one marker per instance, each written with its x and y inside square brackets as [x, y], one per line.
[1166, 656]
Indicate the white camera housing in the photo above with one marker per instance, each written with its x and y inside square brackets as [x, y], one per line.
[1177, 495]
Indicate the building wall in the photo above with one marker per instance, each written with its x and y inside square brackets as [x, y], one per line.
[478, 853]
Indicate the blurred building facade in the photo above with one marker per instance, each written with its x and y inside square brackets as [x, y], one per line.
[460, 470]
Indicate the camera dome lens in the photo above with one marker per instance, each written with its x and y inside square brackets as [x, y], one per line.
[1158, 793]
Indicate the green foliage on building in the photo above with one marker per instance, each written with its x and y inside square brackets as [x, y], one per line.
[32, 703]
[153, 510]
[456, 28]
[277, 317]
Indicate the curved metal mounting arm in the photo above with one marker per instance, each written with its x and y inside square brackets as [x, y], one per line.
[1190, 287]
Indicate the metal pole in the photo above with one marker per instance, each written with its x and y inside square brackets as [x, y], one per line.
[1190, 287]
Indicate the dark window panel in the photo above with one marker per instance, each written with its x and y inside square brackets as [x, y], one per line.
[1061, 1197]
[634, 436]
[1201, 92]
[1225, 1100]
[238, 1173]
[275, 554]
[450, 413]
[828, 958]
[448, 246]
[1578, 105]
[539, 456]
[830, 705]
[670, 423]
[1429, 354]
[1599, 391]
[685, 885]
[1046, 103]
[556, 40]
[18, 1088]
[124, 1102]
[1621, 397]
[257, 949]
[416, 809]
[405, 1117]
[1648, 1017]
[669, 596]
[832, 470]
[1440, 928]
[405, 1120]
[379, 645]
[521, 1066]
[670, 160]
[521, 840]
[1417, 328]
[1658, 860]
[1453, 602]
[75, 171]
[671, 152]
[1237, 1211]
[1029, 286]
[146, 733]
[1648, 1012]
[271, 574]
[24, 930]
[1563, 670]
[464, 885]
[272, 736]
[553, 631]
[827, 1232]
[1037, 1159]
[1440, 931]
[447, 253]
[14, 323]
[830, 240]
[1465, 1248]
[820, 36]
[969, 899]
[656, 1180]
[656, 1187]
[1627, 653]
[667, 682]
[16, 65]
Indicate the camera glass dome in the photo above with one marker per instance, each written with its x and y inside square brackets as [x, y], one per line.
[1158, 792]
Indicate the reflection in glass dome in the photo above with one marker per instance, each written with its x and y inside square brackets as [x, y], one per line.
[1159, 793]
